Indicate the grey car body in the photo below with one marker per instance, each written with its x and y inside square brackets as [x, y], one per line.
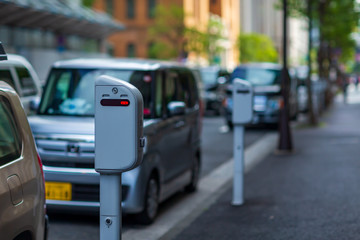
[22, 193]
[266, 81]
[64, 133]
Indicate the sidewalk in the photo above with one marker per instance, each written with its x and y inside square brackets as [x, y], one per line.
[313, 193]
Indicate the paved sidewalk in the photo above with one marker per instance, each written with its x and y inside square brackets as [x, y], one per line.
[313, 193]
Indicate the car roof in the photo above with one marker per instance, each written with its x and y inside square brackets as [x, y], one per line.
[115, 63]
[265, 65]
[14, 59]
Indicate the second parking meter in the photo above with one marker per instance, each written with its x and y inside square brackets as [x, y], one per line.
[242, 94]
[242, 102]
[119, 145]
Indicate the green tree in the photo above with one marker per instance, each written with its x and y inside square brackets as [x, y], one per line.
[168, 32]
[172, 39]
[256, 48]
[336, 20]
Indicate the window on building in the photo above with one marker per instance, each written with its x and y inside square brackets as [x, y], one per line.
[131, 50]
[151, 8]
[110, 7]
[130, 11]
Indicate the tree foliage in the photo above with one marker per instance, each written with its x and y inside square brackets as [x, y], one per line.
[256, 47]
[336, 20]
[172, 39]
[168, 32]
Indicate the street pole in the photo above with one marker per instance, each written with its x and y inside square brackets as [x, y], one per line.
[238, 181]
[285, 139]
[110, 207]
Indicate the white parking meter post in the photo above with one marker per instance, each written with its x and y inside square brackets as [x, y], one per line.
[119, 145]
[242, 94]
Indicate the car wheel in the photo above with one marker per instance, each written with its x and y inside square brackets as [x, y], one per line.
[151, 201]
[195, 175]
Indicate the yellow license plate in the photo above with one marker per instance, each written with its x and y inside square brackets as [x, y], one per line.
[58, 191]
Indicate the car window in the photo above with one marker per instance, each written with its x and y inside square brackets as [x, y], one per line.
[5, 75]
[28, 87]
[188, 86]
[257, 76]
[71, 91]
[10, 143]
[174, 88]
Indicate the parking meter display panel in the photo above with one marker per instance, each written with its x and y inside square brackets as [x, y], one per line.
[118, 125]
[243, 102]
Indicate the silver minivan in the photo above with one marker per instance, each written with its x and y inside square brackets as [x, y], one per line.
[64, 134]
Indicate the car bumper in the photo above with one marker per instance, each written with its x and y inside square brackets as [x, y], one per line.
[86, 190]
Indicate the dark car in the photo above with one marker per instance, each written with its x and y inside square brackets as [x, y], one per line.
[214, 79]
[266, 81]
[64, 134]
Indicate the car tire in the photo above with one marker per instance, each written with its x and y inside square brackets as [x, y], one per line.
[151, 202]
[195, 175]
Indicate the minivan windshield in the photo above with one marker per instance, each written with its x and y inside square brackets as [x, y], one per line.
[257, 76]
[71, 91]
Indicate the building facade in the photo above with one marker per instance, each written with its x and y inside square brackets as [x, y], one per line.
[45, 31]
[138, 16]
[262, 16]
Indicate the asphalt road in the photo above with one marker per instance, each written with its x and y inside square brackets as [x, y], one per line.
[216, 149]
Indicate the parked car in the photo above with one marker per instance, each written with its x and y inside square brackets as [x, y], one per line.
[64, 132]
[22, 192]
[18, 73]
[214, 79]
[266, 80]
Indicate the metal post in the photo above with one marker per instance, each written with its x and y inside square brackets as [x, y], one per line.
[238, 187]
[110, 207]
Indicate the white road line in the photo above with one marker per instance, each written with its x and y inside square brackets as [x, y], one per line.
[211, 187]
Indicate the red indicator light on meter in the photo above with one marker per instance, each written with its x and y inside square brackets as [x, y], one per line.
[124, 103]
[115, 102]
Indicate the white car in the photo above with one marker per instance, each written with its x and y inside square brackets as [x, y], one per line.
[19, 74]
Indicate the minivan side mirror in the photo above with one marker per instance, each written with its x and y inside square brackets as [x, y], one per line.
[176, 108]
[2, 53]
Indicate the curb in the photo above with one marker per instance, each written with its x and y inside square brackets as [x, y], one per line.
[211, 187]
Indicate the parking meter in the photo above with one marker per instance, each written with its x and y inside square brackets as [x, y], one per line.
[242, 94]
[119, 138]
[119, 145]
[242, 102]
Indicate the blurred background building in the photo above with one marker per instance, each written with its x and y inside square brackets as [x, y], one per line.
[264, 17]
[138, 16]
[48, 30]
